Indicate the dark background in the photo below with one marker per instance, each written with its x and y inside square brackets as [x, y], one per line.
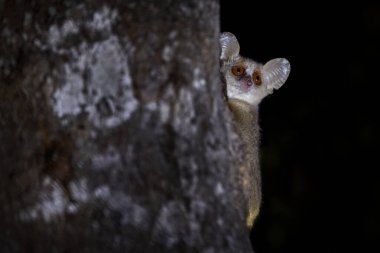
[320, 131]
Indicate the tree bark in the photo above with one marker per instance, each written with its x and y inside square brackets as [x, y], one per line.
[114, 133]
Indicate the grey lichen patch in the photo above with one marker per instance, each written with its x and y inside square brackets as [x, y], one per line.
[110, 158]
[184, 113]
[167, 53]
[176, 224]
[219, 189]
[169, 228]
[131, 212]
[103, 20]
[52, 202]
[69, 98]
[198, 81]
[151, 106]
[58, 34]
[110, 86]
[79, 190]
[164, 109]
[102, 192]
[161, 107]
[100, 22]
[96, 79]
[98, 83]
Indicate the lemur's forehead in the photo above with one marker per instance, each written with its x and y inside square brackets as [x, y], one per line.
[250, 68]
[248, 64]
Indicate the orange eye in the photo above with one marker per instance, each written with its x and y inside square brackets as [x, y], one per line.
[256, 77]
[238, 70]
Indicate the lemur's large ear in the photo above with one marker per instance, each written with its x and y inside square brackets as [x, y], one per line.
[275, 73]
[229, 45]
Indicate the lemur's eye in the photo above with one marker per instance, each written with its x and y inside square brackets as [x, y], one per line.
[238, 70]
[256, 77]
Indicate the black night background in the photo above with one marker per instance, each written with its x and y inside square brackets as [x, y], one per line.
[320, 131]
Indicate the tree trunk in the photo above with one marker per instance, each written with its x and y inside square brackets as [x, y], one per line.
[114, 133]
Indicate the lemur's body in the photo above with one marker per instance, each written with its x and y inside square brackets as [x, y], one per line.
[247, 84]
[246, 118]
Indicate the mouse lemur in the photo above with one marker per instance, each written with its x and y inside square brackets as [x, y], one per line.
[247, 83]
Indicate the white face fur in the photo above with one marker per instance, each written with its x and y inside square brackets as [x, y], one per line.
[248, 80]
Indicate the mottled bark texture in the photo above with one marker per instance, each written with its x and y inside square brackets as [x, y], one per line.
[114, 133]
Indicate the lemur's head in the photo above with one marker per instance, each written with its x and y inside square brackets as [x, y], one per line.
[246, 79]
